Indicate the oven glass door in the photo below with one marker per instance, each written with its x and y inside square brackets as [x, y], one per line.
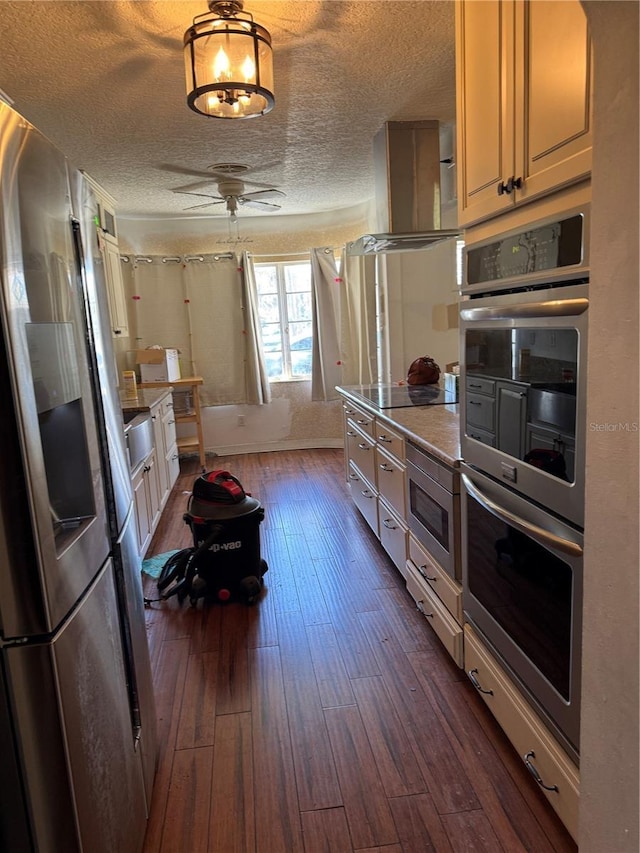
[522, 588]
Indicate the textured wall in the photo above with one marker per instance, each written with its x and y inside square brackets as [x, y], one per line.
[610, 749]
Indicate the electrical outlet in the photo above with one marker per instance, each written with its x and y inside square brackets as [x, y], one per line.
[240, 420]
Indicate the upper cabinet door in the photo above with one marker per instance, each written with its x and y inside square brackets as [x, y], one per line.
[485, 106]
[524, 102]
[553, 96]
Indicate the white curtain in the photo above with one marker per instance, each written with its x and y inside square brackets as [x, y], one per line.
[258, 387]
[196, 305]
[358, 319]
[159, 307]
[326, 363]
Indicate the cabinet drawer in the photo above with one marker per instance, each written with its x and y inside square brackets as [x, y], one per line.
[363, 420]
[390, 440]
[364, 497]
[447, 590]
[360, 449]
[481, 411]
[482, 435]
[477, 385]
[393, 535]
[525, 730]
[390, 476]
[447, 629]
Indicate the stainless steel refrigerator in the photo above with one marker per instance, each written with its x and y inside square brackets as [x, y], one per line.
[77, 719]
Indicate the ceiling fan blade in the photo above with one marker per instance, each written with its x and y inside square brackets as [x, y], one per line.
[263, 194]
[217, 198]
[182, 170]
[206, 204]
[259, 205]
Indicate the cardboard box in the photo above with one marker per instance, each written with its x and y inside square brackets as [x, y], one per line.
[158, 365]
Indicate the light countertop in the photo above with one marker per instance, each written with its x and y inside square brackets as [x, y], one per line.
[146, 398]
[435, 428]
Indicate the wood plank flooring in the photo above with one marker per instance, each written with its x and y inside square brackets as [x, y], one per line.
[327, 718]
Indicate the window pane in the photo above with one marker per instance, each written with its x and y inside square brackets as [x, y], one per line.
[297, 277]
[301, 363]
[268, 308]
[300, 336]
[271, 337]
[266, 279]
[299, 306]
[273, 363]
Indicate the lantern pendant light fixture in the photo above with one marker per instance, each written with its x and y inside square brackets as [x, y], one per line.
[228, 63]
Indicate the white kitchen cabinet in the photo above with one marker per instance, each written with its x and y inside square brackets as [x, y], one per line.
[523, 81]
[108, 242]
[556, 775]
[164, 434]
[146, 493]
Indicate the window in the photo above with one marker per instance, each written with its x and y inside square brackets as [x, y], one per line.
[284, 305]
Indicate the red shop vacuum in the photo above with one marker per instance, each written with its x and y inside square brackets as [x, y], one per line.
[224, 562]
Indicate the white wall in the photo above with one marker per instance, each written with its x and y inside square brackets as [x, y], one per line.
[610, 690]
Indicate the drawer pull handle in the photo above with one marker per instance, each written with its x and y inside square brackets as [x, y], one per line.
[532, 769]
[350, 411]
[349, 432]
[423, 572]
[363, 423]
[419, 605]
[353, 477]
[171, 422]
[472, 675]
[363, 446]
[366, 493]
[471, 385]
[385, 439]
[384, 467]
[474, 403]
[389, 524]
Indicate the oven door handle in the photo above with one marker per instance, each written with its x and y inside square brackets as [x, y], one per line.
[543, 537]
[533, 310]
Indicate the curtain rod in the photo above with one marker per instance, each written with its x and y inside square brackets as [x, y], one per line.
[216, 256]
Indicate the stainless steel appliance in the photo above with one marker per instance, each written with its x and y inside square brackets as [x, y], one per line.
[524, 327]
[77, 719]
[433, 496]
[523, 592]
[524, 324]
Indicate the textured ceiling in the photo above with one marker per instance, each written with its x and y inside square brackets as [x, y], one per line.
[105, 82]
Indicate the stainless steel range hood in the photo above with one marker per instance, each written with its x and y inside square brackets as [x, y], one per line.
[409, 171]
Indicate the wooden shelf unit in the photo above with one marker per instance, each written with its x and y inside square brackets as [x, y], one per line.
[187, 443]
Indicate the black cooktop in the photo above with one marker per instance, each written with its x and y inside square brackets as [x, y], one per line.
[402, 396]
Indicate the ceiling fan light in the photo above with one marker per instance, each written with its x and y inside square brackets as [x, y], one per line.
[228, 63]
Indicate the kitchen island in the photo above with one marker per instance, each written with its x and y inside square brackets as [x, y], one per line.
[413, 512]
[435, 428]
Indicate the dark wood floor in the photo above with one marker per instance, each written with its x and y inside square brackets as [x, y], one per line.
[327, 717]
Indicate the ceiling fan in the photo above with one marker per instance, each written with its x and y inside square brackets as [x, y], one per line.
[231, 193]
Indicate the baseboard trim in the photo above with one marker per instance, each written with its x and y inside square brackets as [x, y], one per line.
[294, 444]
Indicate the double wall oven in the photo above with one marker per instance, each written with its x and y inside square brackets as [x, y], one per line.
[523, 323]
